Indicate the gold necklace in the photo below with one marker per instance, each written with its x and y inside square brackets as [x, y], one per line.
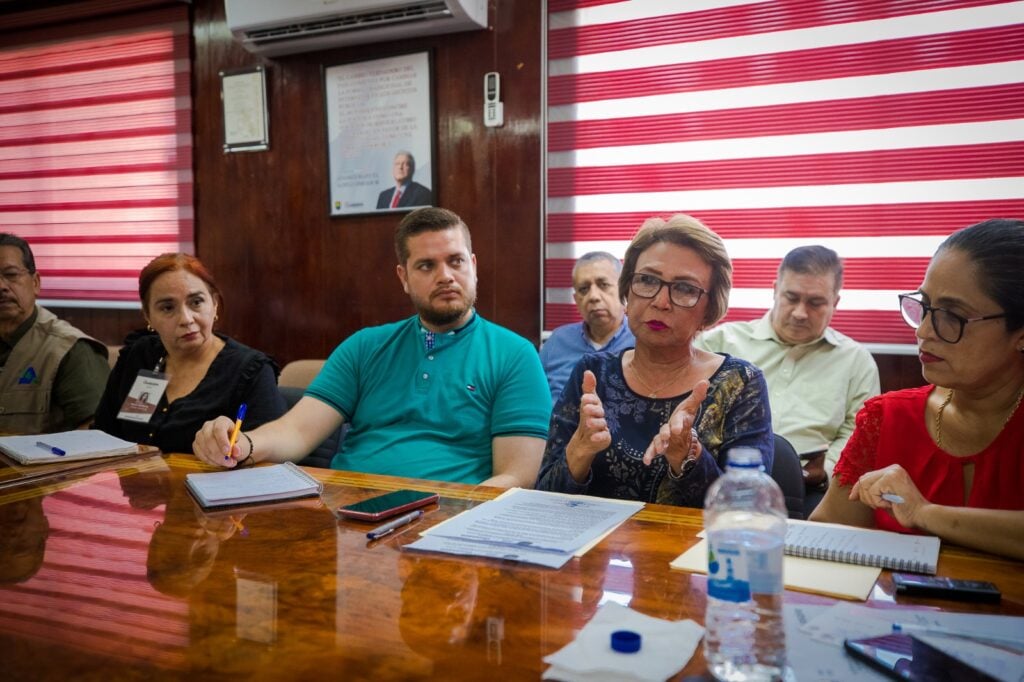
[949, 397]
[652, 392]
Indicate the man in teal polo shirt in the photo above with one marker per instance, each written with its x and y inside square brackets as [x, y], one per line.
[443, 395]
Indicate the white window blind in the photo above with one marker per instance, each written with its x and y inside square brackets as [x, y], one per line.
[96, 151]
[874, 128]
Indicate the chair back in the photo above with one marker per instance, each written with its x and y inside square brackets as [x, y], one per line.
[788, 473]
[300, 373]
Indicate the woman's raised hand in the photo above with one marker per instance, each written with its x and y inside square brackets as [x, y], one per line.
[677, 439]
[592, 434]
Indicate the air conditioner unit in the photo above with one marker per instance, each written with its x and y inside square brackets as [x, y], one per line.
[275, 27]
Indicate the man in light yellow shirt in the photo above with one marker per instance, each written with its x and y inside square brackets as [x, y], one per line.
[818, 378]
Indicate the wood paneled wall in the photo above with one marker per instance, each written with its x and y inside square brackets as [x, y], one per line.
[297, 282]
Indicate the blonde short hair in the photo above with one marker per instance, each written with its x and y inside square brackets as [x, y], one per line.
[686, 231]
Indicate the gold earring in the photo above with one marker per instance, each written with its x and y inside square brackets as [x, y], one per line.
[149, 328]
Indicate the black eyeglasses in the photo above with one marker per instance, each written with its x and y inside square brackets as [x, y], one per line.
[948, 325]
[682, 294]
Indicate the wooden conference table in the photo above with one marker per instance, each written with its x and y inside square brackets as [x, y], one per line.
[114, 573]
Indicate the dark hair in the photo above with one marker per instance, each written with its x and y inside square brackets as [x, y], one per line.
[171, 262]
[686, 231]
[429, 219]
[8, 239]
[814, 260]
[996, 247]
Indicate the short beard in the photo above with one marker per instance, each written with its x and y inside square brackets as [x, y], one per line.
[443, 318]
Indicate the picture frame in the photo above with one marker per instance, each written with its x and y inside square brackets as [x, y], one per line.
[380, 134]
[243, 94]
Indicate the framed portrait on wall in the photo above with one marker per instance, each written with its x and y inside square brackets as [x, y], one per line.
[380, 134]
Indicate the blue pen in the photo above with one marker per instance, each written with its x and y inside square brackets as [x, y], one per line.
[53, 450]
[236, 430]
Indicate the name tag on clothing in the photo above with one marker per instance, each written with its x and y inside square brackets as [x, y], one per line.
[144, 396]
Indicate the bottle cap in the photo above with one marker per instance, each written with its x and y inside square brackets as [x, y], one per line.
[626, 641]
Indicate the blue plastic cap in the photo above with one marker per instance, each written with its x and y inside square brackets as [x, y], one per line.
[626, 641]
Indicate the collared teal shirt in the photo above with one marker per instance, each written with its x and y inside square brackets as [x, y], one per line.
[432, 413]
[816, 388]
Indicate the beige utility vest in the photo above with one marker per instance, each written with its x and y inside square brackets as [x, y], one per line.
[26, 381]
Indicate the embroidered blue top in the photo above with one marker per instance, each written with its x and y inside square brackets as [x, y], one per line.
[735, 413]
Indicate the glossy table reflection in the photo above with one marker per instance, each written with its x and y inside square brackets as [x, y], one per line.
[116, 574]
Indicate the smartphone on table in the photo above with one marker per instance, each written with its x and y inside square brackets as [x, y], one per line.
[904, 657]
[939, 587]
[387, 505]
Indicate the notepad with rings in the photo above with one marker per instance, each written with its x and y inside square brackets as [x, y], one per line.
[865, 546]
[235, 487]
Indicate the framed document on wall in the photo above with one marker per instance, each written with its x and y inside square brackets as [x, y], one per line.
[380, 134]
[243, 94]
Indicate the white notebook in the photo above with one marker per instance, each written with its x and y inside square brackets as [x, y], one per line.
[865, 546]
[248, 486]
[52, 448]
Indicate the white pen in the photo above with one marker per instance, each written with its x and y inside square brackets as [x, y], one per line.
[892, 497]
[391, 526]
[910, 628]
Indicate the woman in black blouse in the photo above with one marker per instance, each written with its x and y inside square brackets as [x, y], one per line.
[190, 373]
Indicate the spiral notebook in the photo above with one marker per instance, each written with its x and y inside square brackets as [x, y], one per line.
[864, 546]
[250, 486]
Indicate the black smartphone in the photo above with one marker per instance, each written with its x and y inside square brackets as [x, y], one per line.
[945, 588]
[905, 657]
[387, 505]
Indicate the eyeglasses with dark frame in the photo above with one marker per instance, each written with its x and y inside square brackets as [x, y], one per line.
[682, 294]
[948, 325]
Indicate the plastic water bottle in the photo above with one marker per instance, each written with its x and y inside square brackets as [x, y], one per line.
[745, 520]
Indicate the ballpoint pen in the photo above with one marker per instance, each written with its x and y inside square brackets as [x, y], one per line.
[236, 430]
[392, 526]
[53, 450]
[893, 498]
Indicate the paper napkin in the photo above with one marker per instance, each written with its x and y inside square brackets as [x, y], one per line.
[666, 646]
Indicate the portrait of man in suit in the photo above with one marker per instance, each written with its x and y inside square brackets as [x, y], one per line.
[406, 193]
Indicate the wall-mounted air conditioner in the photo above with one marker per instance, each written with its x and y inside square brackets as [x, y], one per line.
[274, 27]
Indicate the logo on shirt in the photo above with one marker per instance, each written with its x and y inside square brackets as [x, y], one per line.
[29, 377]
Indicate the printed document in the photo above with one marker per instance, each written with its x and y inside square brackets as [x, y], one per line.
[529, 525]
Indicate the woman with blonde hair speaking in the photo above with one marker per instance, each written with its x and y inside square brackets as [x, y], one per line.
[655, 422]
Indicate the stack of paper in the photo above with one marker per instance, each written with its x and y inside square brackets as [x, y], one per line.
[528, 525]
[992, 644]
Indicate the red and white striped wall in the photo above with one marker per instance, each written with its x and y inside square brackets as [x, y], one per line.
[96, 152]
[875, 128]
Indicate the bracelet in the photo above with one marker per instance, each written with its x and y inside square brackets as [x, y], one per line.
[690, 462]
[249, 456]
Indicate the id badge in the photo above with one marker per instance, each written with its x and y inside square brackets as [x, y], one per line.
[144, 396]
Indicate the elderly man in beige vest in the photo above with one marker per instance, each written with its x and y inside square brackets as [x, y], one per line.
[51, 374]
